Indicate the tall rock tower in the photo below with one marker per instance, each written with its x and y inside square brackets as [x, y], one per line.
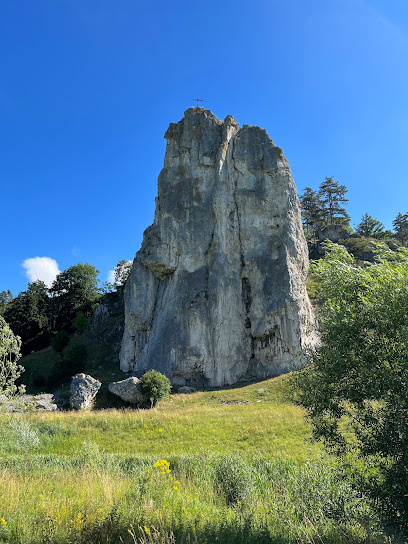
[217, 291]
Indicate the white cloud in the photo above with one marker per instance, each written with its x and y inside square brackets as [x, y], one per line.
[41, 268]
[111, 273]
[111, 276]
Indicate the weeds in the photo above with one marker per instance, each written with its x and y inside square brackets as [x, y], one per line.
[23, 435]
[234, 478]
[95, 497]
[175, 475]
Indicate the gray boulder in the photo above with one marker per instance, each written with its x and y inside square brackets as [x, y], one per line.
[44, 402]
[186, 389]
[83, 391]
[334, 233]
[217, 291]
[128, 390]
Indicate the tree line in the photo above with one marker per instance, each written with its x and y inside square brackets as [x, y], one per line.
[39, 312]
[326, 206]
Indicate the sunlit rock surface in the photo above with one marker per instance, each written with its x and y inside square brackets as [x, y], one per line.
[217, 291]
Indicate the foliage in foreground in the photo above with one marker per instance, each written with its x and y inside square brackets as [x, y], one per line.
[355, 389]
[10, 370]
[94, 497]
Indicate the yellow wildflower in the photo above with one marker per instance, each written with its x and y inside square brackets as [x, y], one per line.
[175, 487]
[163, 466]
[2, 522]
[79, 521]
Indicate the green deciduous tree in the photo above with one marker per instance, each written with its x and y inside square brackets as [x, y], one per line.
[155, 386]
[80, 322]
[370, 227]
[355, 388]
[28, 314]
[10, 370]
[74, 290]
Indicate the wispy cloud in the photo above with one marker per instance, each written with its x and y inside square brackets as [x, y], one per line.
[41, 268]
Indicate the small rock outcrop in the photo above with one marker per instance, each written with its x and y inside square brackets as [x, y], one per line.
[185, 389]
[101, 313]
[128, 390]
[217, 291]
[43, 402]
[83, 391]
[334, 233]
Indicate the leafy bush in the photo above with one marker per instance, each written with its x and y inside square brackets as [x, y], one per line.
[74, 361]
[61, 340]
[25, 437]
[80, 322]
[154, 385]
[75, 358]
[10, 371]
[90, 454]
[355, 387]
[363, 249]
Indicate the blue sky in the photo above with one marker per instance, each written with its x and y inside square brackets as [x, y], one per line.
[88, 88]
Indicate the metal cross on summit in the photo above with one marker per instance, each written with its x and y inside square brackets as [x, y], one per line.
[197, 100]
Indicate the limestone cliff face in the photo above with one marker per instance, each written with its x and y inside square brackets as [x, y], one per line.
[218, 289]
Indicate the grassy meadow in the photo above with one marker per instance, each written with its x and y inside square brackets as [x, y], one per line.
[228, 466]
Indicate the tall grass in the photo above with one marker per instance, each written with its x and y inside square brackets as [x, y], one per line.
[237, 474]
[99, 498]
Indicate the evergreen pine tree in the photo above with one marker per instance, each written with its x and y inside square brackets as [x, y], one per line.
[312, 213]
[332, 196]
[5, 298]
[370, 227]
[400, 225]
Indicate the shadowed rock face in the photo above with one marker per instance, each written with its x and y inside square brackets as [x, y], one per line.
[217, 291]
